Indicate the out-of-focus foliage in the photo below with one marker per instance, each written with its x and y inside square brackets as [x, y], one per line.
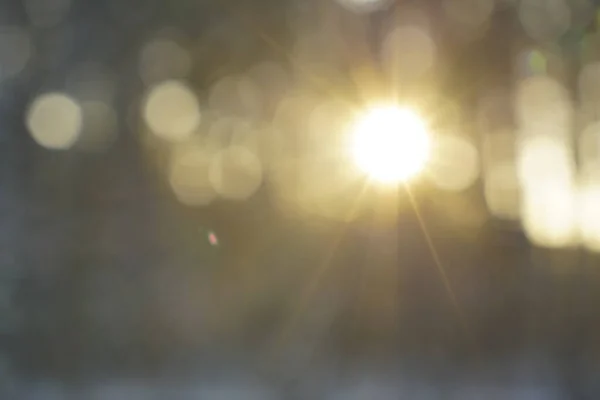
[176, 195]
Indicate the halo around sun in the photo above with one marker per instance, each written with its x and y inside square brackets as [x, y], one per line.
[390, 144]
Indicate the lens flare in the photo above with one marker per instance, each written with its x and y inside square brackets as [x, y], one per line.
[390, 144]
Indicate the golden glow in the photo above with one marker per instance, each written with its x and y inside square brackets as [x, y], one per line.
[589, 216]
[172, 111]
[549, 215]
[390, 144]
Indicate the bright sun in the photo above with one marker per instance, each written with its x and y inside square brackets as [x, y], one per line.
[391, 144]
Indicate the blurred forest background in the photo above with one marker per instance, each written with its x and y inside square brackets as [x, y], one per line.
[111, 271]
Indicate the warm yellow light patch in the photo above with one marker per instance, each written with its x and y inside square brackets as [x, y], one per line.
[391, 144]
